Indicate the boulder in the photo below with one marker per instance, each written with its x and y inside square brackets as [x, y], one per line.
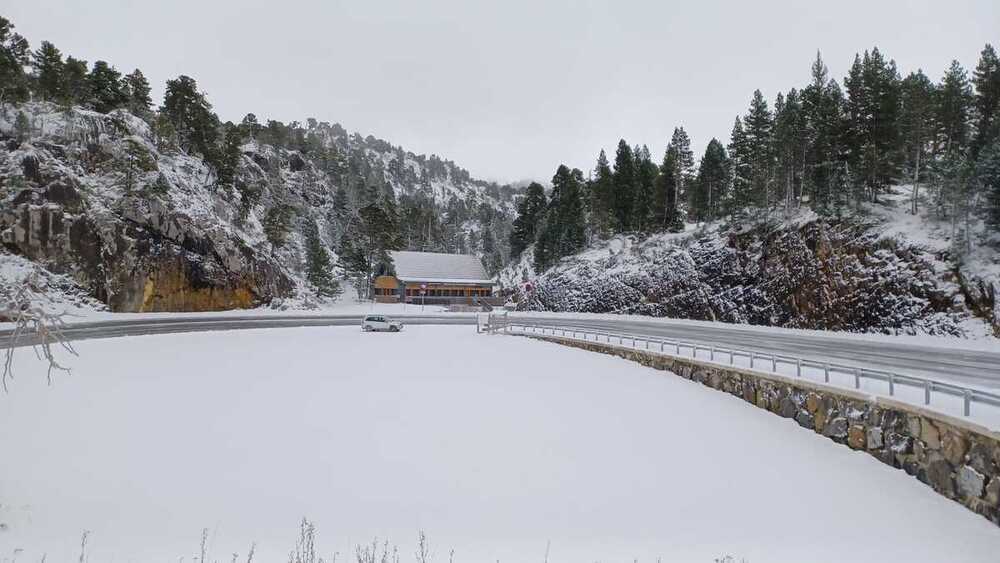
[939, 476]
[874, 438]
[954, 446]
[969, 482]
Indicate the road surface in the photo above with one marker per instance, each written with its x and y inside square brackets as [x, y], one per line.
[962, 366]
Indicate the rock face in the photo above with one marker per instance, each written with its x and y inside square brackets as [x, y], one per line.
[958, 460]
[825, 275]
[143, 226]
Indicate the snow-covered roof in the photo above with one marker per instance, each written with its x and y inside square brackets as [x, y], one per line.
[437, 267]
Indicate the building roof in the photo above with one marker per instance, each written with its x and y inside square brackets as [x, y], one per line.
[438, 267]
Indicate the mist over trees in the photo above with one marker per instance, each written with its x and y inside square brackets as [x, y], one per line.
[832, 147]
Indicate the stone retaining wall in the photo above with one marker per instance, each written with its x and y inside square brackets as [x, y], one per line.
[956, 458]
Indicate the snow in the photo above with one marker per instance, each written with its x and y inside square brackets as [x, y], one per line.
[495, 446]
[438, 267]
[54, 293]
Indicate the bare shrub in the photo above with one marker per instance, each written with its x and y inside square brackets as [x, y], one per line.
[42, 329]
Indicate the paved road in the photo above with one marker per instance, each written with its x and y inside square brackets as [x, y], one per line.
[952, 364]
[144, 326]
[961, 366]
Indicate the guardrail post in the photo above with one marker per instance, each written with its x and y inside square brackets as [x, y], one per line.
[711, 353]
[678, 348]
[857, 378]
[774, 363]
[927, 392]
[826, 373]
[892, 384]
[732, 356]
[662, 344]
[798, 367]
[967, 400]
[751, 359]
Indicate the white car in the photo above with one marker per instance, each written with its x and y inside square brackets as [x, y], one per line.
[379, 323]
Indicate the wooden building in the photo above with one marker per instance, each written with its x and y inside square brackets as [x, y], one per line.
[435, 278]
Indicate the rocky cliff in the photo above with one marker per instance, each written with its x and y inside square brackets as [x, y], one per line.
[811, 274]
[143, 227]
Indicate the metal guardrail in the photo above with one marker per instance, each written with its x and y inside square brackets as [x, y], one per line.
[757, 359]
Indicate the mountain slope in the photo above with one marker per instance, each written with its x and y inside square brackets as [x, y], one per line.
[806, 272]
[141, 225]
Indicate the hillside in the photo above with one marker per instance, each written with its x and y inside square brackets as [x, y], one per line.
[142, 225]
[884, 271]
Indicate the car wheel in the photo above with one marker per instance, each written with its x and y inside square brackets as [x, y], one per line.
[394, 329]
[367, 329]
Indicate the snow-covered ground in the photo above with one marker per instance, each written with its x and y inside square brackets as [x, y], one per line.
[494, 446]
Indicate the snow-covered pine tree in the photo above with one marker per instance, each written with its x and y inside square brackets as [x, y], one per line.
[105, 87]
[916, 128]
[645, 180]
[75, 87]
[530, 211]
[48, 67]
[708, 191]
[623, 191]
[319, 269]
[668, 191]
[14, 56]
[986, 79]
[758, 127]
[739, 154]
[137, 88]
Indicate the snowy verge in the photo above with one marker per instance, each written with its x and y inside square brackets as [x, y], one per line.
[495, 447]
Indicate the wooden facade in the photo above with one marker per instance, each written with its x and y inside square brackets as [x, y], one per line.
[388, 289]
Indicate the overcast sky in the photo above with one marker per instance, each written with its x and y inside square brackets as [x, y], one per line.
[512, 88]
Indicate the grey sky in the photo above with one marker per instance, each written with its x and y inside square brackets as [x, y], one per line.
[506, 89]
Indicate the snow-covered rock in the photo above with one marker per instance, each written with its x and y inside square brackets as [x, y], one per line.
[807, 273]
[143, 227]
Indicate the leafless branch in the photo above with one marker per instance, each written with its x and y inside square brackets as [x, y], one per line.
[44, 330]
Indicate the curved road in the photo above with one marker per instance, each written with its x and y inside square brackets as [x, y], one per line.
[963, 366]
[978, 367]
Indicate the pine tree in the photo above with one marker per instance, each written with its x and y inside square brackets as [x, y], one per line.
[709, 188]
[951, 165]
[954, 106]
[229, 157]
[668, 191]
[685, 172]
[623, 182]
[986, 79]
[916, 124]
[14, 56]
[139, 102]
[987, 175]
[530, 211]
[739, 153]
[563, 231]
[873, 110]
[600, 193]
[823, 111]
[22, 127]
[191, 116]
[319, 269]
[645, 179]
[758, 124]
[75, 86]
[789, 141]
[106, 88]
[49, 68]
[366, 245]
